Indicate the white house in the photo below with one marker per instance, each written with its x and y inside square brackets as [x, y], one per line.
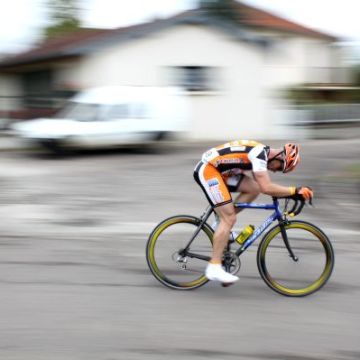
[232, 73]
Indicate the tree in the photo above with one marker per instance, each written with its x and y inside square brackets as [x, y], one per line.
[64, 17]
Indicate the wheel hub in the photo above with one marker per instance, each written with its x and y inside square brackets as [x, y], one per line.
[180, 260]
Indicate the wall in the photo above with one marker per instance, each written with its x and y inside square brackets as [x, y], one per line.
[294, 59]
[233, 109]
[244, 101]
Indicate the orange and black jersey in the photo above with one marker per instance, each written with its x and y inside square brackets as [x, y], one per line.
[221, 168]
[237, 156]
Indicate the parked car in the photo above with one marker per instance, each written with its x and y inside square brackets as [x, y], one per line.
[110, 116]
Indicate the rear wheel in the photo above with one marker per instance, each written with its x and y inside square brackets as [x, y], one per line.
[169, 262]
[305, 274]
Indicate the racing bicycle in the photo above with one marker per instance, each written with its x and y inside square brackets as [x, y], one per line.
[295, 258]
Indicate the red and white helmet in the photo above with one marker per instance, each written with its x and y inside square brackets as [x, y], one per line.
[291, 157]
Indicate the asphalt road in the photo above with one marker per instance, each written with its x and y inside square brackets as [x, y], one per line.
[75, 284]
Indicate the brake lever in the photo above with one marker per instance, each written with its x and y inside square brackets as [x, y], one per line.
[291, 212]
[296, 209]
[299, 209]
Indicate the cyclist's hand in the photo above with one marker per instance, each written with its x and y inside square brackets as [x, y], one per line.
[303, 193]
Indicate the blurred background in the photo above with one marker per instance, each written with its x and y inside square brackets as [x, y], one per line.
[240, 67]
[157, 83]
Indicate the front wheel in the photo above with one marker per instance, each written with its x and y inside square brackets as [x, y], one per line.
[168, 257]
[311, 266]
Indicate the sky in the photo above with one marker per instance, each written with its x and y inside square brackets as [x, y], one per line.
[21, 20]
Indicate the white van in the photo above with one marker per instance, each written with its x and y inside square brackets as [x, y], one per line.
[111, 116]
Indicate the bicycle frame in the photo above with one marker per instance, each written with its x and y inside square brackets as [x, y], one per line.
[299, 281]
[276, 215]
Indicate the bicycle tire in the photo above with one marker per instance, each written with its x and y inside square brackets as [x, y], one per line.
[164, 244]
[274, 267]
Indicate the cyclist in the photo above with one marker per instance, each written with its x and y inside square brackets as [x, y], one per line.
[221, 171]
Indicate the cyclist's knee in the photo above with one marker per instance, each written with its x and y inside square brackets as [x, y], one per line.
[229, 220]
[227, 215]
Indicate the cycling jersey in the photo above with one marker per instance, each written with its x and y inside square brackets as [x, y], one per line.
[221, 168]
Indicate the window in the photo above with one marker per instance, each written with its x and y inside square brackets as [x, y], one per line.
[114, 112]
[195, 78]
[79, 111]
[37, 89]
[140, 110]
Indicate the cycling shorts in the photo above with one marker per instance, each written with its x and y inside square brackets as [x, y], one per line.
[216, 188]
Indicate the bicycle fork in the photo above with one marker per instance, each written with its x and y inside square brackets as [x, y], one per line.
[286, 240]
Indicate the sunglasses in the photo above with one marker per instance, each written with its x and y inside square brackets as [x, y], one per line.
[282, 153]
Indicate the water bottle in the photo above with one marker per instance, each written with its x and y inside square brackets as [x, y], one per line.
[245, 234]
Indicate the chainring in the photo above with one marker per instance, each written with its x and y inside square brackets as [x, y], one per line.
[231, 262]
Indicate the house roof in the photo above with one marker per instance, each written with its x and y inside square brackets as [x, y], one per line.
[258, 18]
[53, 48]
[90, 40]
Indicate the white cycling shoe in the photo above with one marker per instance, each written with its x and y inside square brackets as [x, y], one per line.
[216, 273]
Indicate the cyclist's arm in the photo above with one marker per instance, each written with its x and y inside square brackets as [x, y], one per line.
[269, 188]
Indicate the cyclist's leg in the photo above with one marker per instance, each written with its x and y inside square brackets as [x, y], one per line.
[216, 191]
[227, 216]
[214, 270]
[212, 184]
[249, 190]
